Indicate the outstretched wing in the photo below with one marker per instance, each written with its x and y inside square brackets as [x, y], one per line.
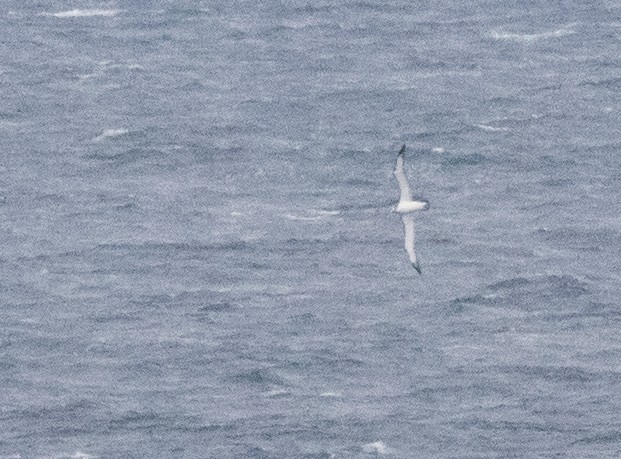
[401, 180]
[408, 223]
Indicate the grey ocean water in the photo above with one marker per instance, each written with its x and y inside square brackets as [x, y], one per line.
[197, 258]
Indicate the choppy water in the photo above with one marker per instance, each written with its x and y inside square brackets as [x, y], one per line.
[197, 258]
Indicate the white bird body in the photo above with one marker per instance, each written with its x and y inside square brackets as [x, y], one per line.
[405, 207]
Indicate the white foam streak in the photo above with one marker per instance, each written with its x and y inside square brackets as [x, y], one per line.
[77, 13]
[531, 37]
[319, 215]
[80, 455]
[330, 394]
[485, 127]
[297, 217]
[277, 393]
[111, 133]
[76, 455]
[329, 212]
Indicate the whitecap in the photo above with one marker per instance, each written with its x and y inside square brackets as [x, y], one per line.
[329, 212]
[488, 128]
[375, 447]
[110, 65]
[532, 36]
[80, 455]
[76, 455]
[111, 133]
[330, 394]
[438, 150]
[77, 13]
[490, 296]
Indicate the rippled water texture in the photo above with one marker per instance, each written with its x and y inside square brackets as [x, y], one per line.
[197, 257]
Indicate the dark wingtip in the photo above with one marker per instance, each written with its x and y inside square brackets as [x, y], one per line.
[417, 268]
[402, 151]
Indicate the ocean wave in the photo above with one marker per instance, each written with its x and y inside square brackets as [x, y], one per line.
[581, 239]
[607, 437]
[524, 292]
[296, 243]
[309, 8]
[128, 248]
[532, 37]
[117, 317]
[134, 420]
[77, 13]
[109, 67]
[557, 285]
[592, 310]
[301, 24]
[70, 410]
[151, 300]
[133, 155]
[567, 374]
[259, 377]
[516, 282]
[459, 304]
[221, 306]
[609, 83]
[325, 360]
[512, 426]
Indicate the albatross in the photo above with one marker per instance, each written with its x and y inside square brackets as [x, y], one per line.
[406, 207]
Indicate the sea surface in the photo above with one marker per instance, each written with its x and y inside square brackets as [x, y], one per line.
[197, 254]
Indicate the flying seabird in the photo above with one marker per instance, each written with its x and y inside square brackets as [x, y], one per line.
[406, 207]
